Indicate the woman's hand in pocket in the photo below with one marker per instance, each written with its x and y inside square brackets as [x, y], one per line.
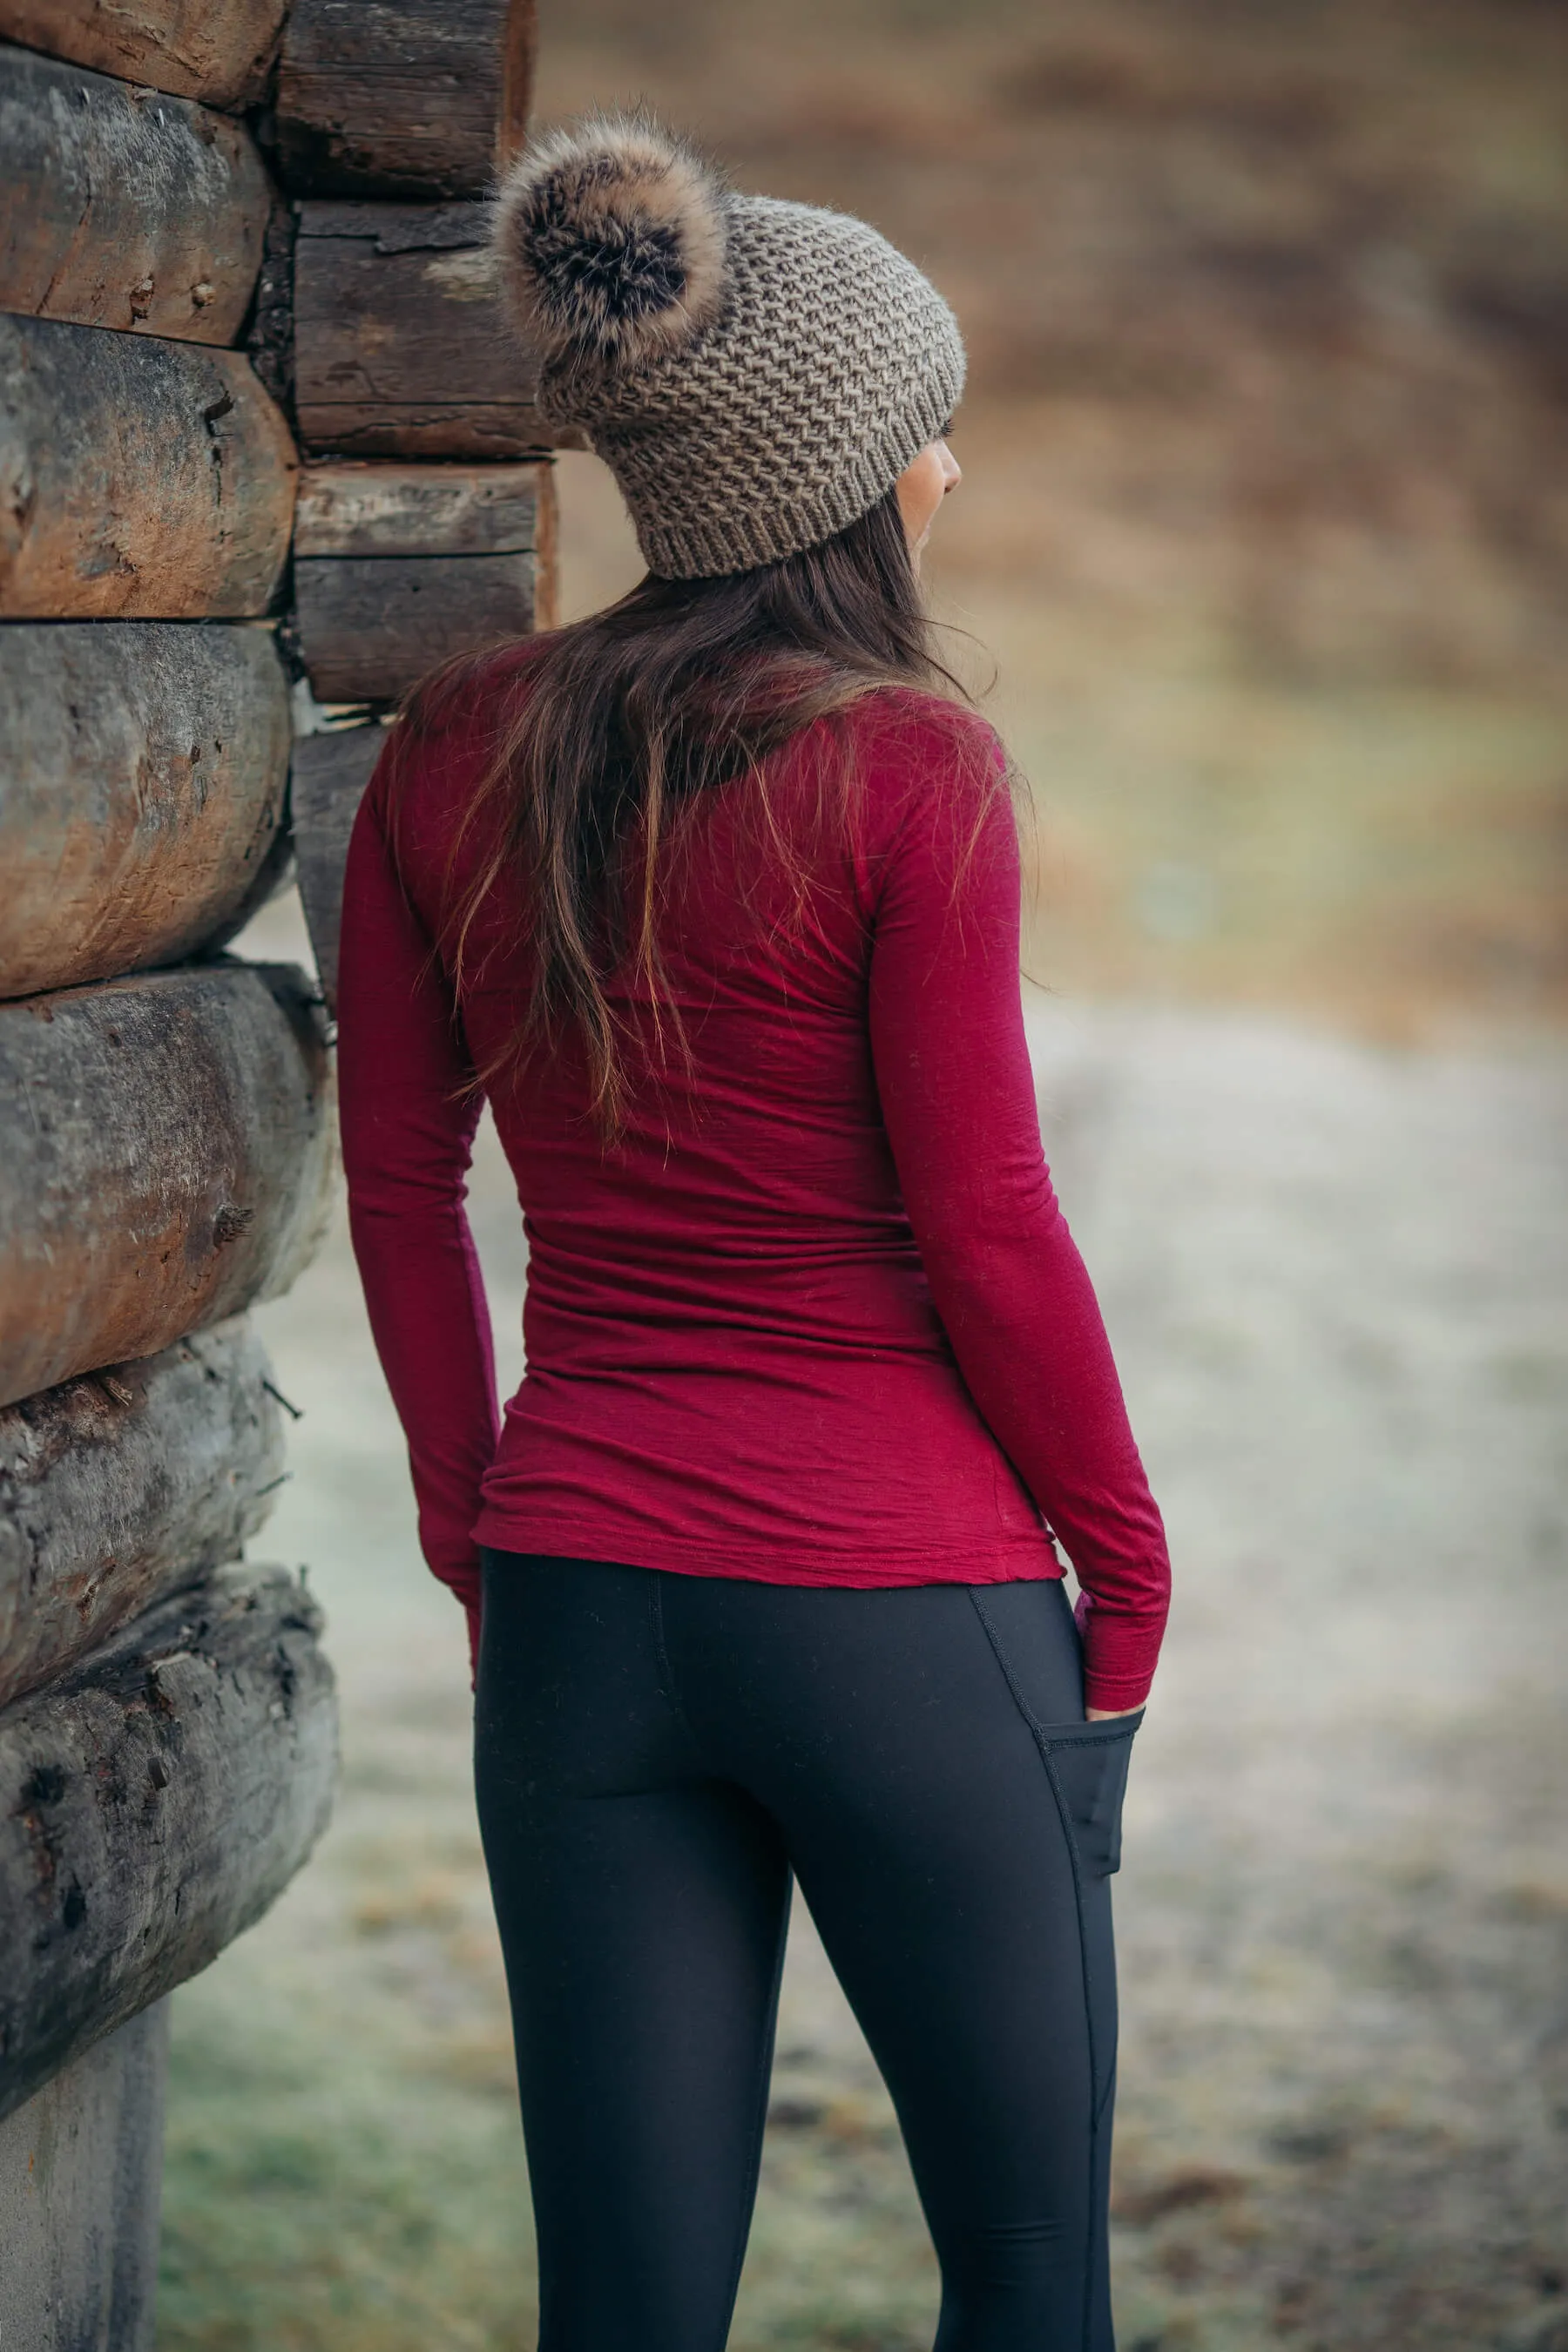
[1109, 1714]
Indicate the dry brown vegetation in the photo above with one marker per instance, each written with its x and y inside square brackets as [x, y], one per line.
[1265, 515]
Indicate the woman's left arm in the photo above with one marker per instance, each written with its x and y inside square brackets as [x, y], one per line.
[409, 1110]
[958, 1097]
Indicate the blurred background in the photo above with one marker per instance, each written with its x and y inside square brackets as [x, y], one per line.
[1260, 561]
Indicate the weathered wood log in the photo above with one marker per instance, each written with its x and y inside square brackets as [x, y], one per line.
[142, 211]
[142, 773]
[80, 2168]
[326, 785]
[397, 567]
[140, 480]
[400, 349]
[352, 509]
[368, 629]
[168, 1160]
[401, 97]
[219, 50]
[125, 1485]
[269, 338]
[152, 1808]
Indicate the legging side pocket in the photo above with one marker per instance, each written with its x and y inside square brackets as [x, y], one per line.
[1087, 1765]
[1088, 1762]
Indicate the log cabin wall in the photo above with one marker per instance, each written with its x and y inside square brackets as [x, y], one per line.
[259, 432]
[426, 522]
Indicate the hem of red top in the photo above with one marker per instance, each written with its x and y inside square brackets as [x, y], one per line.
[1019, 1563]
[565, 1540]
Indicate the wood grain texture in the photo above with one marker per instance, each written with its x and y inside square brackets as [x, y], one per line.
[169, 1159]
[400, 349]
[140, 480]
[370, 626]
[270, 337]
[81, 2167]
[219, 50]
[403, 97]
[390, 509]
[326, 785]
[152, 1808]
[122, 1486]
[142, 774]
[397, 567]
[142, 211]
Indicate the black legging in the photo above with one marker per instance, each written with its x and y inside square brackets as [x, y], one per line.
[655, 1754]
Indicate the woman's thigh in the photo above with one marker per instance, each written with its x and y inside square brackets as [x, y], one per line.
[642, 1906]
[946, 1811]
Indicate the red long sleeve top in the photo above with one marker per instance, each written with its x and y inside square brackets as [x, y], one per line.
[817, 1318]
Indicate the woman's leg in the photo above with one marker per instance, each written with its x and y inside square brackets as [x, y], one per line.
[642, 1906]
[948, 1813]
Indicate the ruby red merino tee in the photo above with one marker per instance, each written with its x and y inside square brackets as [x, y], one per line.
[817, 1318]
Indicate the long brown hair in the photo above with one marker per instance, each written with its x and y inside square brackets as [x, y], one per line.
[623, 723]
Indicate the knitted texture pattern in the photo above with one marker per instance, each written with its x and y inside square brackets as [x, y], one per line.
[757, 374]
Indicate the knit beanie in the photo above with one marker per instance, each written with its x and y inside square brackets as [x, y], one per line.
[756, 374]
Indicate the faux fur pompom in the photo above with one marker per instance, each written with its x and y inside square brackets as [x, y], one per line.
[611, 242]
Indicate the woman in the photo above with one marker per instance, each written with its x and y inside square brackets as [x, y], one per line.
[716, 897]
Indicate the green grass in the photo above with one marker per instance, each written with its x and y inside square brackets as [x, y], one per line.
[321, 2193]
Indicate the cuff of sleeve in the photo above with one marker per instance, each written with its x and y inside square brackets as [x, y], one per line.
[466, 1585]
[466, 1582]
[1114, 1693]
[1118, 1658]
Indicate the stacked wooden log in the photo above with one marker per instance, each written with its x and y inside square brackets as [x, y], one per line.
[426, 519]
[167, 1726]
[176, 331]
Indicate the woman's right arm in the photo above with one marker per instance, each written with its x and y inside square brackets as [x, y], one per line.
[408, 1111]
[958, 1097]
